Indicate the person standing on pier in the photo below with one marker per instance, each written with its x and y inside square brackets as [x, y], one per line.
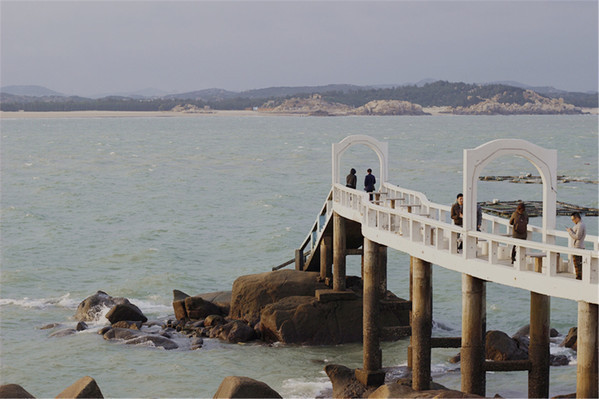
[578, 234]
[369, 182]
[457, 215]
[351, 180]
[519, 220]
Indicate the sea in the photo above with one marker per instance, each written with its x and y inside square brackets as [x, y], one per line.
[140, 206]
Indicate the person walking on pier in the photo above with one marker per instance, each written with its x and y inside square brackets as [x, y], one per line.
[351, 180]
[369, 182]
[519, 220]
[578, 234]
[457, 215]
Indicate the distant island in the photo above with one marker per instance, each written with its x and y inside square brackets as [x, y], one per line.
[439, 97]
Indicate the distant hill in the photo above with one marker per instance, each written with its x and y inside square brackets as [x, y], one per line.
[33, 91]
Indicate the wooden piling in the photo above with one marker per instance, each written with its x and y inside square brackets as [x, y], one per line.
[587, 347]
[422, 320]
[326, 257]
[472, 353]
[371, 374]
[339, 246]
[538, 349]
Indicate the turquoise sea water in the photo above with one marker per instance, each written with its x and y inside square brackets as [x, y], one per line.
[137, 207]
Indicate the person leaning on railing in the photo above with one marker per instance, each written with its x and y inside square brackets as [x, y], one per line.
[519, 220]
[578, 234]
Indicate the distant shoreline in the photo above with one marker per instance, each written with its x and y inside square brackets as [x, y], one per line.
[434, 111]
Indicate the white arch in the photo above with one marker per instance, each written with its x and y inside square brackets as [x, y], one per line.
[380, 148]
[543, 159]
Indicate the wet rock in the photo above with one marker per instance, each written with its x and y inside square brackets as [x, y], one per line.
[237, 331]
[104, 330]
[499, 346]
[558, 360]
[133, 325]
[85, 387]
[402, 388]
[196, 343]
[91, 307]
[81, 326]
[244, 387]
[571, 338]
[122, 333]
[126, 312]
[14, 391]
[63, 333]
[525, 331]
[157, 340]
[48, 327]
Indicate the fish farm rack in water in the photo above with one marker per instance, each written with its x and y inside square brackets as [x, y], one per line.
[534, 208]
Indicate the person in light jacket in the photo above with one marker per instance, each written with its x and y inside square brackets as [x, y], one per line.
[578, 234]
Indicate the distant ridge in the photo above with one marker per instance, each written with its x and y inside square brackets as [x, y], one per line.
[30, 90]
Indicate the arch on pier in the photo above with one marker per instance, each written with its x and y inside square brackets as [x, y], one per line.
[381, 149]
[545, 160]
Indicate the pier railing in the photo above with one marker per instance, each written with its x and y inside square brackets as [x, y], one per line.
[407, 221]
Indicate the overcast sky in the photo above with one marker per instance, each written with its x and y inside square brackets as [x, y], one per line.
[96, 47]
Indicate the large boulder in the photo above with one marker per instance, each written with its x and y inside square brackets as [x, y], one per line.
[499, 346]
[90, 309]
[244, 387]
[84, 387]
[125, 312]
[234, 331]
[197, 308]
[254, 292]
[156, 340]
[403, 389]
[14, 391]
[122, 333]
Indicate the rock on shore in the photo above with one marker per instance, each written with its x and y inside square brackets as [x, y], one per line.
[534, 105]
[390, 107]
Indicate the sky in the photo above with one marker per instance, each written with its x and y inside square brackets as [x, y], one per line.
[94, 47]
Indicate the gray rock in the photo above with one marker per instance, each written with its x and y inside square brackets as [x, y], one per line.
[81, 326]
[213, 320]
[122, 333]
[48, 327]
[244, 387]
[63, 333]
[571, 339]
[499, 346]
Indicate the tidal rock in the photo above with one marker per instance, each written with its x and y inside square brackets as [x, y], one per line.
[127, 312]
[104, 330]
[252, 293]
[213, 320]
[525, 331]
[81, 326]
[499, 346]
[133, 325]
[571, 338]
[85, 387]
[14, 391]
[197, 306]
[403, 389]
[122, 333]
[63, 333]
[196, 343]
[244, 387]
[157, 340]
[558, 360]
[91, 307]
[49, 327]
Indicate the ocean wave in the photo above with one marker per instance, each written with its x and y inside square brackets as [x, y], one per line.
[63, 301]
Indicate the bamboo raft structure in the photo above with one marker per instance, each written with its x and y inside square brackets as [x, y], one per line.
[534, 208]
[531, 179]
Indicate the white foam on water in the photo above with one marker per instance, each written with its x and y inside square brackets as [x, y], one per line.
[304, 388]
[63, 301]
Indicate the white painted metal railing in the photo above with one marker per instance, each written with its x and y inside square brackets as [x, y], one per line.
[407, 221]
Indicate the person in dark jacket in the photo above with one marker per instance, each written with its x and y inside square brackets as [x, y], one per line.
[369, 182]
[519, 220]
[457, 215]
[351, 180]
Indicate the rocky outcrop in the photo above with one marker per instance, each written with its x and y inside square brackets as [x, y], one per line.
[85, 387]
[345, 383]
[499, 346]
[254, 292]
[200, 306]
[90, 309]
[389, 107]
[534, 105]
[125, 312]
[571, 339]
[403, 389]
[313, 105]
[244, 387]
[135, 337]
[14, 391]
